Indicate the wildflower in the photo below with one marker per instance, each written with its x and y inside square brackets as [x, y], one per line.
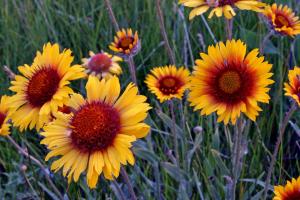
[282, 20]
[4, 116]
[43, 87]
[290, 191]
[220, 7]
[102, 65]
[98, 134]
[229, 81]
[126, 43]
[168, 82]
[292, 89]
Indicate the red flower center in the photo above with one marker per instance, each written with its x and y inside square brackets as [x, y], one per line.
[99, 63]
[224, 2]
[125, 42]
[169, 85]
[281, 20]
[2, 118]
[65, 109]
[231, 84]
[42, 86]
[95, 126]
[293, 195]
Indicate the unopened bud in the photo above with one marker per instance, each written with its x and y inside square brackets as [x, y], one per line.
[198, 129]
[23, 168]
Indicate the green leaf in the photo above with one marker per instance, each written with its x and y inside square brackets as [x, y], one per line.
[295, 127]
[146, 155]
[219, 162]
[174, 171]
[270, 48]
[169, 123]
[49, 192]
[190, 153]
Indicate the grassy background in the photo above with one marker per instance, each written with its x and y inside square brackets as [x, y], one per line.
[205, 167]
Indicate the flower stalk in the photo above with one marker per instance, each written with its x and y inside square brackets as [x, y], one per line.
[209, 29]
[36, 161]
[128, 183]
[131, 64]
[129, 60]
[283, 126]
[8, 72]
[111, 15]
[118, 190]
[237, 156]
[173, 130]
[228, 28]
[163, 32]
[264, 42]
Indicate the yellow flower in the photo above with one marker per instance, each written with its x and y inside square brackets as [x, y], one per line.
[291, 191]
[292, 89]
[43, 87]
[282, 19]
[97, 135]
[102, 65]
[168, 82]
[229, 81]
[126, 43]
[4, 116]
[220, 7]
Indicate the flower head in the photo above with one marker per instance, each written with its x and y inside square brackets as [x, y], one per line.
[220, 7]
[43, 87]
[291, 191]
[282, 20]
[4, 115]
[168, 82]
[102, 65]
[126, 43]
[98, 133]
[229, 81]
[292, 89]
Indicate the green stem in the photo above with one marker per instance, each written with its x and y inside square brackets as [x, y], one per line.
[26, 154]
[236, 156]
[131, 64]
[228, 27]
[164, 32]
[173, 129]
[277, 145]
[128, 183]
[264, 41]
[111, 15]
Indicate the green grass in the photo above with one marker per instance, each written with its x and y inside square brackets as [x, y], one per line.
[205, 165]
